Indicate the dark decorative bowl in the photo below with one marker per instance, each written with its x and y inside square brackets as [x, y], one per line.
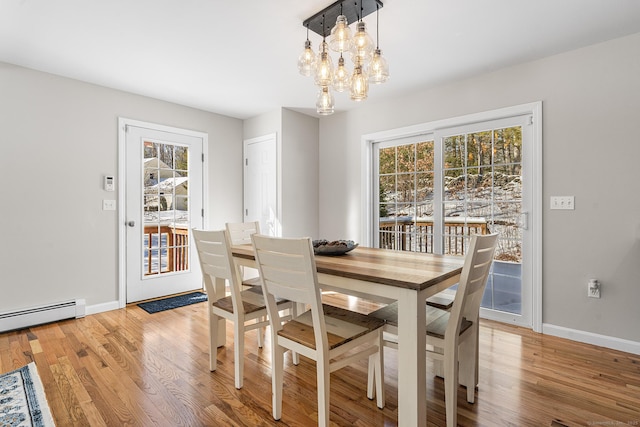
[333, 248]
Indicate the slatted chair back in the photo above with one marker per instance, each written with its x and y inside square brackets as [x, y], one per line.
[240, 232]
[216, 261]
[473, 281]
[288, 269]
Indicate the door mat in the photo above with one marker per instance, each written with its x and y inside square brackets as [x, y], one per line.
[172, 302]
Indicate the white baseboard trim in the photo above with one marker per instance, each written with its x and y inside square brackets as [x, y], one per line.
[591, 338]
[99, 308]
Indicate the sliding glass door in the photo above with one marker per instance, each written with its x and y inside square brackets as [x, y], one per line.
[434, 190]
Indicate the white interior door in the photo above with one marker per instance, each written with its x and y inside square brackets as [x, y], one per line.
[163, 202]
[260, 184]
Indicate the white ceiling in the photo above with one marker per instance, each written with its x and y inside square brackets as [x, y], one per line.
[238, 57]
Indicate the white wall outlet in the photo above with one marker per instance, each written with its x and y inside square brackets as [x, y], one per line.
[562, 202]
[593, 289]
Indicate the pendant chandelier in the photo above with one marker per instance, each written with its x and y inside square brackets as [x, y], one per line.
[369, 66]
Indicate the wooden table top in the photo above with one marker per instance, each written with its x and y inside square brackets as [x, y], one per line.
[411, 270]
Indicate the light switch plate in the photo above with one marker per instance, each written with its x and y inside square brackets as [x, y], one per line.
[563, 202]
[108, 205]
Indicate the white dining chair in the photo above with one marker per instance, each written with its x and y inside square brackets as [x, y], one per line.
[452, 336]
[333, 337]
[245, 308]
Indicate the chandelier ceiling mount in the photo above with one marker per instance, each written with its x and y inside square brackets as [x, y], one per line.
[321, 22]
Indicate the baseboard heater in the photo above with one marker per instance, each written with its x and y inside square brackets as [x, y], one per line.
[24, 318]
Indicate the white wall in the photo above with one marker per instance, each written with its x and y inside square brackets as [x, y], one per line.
[58, 138]
[297, 167]
[591, 147]
[299, 175]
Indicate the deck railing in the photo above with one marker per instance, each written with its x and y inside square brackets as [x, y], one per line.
[167, 249]
[167, 246]
[409, 234]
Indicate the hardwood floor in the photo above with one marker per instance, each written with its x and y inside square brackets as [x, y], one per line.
[128, 367]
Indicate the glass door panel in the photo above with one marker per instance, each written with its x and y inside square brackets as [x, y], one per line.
[483, 194]
[165, 240]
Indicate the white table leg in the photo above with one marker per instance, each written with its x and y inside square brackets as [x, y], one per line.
[412, 371]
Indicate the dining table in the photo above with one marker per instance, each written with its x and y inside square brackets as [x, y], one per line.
[390, 275]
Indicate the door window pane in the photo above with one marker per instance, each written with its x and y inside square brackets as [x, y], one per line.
[406, 186]
[165, 240]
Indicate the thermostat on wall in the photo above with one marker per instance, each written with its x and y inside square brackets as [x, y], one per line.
[109, 183]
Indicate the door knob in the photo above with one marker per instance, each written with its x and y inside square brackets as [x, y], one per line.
[131, 223]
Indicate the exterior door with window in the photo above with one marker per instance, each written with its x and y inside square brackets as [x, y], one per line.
[164, 201]
[438, 188]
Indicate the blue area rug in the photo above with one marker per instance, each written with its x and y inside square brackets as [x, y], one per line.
[173, 302]
[22, 399]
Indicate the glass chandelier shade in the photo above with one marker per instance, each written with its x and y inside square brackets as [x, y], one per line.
[324, 67]
[359, 83]
[378, 68]
[362, 44]
[341, 77]
[340, 39]
[307, 60]
[324, 102]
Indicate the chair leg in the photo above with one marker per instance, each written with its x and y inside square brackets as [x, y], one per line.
[238, 350]
[295, 356]
[468, 366]
[277, 376]
[476, 325]
[323, 385]
[438, 366]
[375, 382]
[213, 341]
[260, 332]
[371, 376]
[451, 388]
[375, 375]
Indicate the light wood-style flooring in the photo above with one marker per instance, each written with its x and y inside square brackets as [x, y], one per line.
[128, 367]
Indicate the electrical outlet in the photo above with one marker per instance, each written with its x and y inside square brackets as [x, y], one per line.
[562, 202]
[593, 289]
